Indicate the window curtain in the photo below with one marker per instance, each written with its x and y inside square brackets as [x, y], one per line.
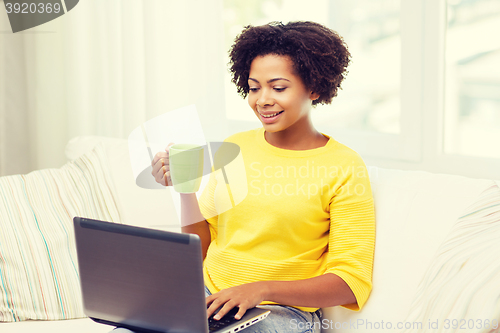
[104, 68]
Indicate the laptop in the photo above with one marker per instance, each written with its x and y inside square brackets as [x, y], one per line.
[146, 280]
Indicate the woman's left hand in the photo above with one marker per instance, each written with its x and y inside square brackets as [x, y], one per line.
[245, 296]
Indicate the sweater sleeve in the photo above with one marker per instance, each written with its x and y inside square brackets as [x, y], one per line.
[352, 235]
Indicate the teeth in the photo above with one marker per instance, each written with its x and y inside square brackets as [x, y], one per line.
[270, 115]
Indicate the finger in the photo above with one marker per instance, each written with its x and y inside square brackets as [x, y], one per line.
[225, 309]
[213, 307]
[169, 145]
[215, 302]
[161, 176]
[209, 299]
[161, 167]
[159, 156]
[164, 178]
[168, 179]
[160, 180]
[156, 167]
[157, 171]
[240, 313]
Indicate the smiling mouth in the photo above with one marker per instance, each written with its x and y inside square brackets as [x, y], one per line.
[271, 115]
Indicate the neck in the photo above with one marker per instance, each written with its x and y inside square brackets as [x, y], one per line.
[303, 138]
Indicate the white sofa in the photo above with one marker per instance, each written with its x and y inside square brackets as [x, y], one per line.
[433, 234]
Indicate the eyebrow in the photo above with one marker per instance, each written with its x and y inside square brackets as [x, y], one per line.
[272, 80]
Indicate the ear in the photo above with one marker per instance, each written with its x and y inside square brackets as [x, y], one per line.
[314, 96]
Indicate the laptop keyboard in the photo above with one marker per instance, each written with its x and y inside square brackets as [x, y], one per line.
[228, 319]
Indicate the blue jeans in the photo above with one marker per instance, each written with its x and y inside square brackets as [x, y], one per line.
[281, 319]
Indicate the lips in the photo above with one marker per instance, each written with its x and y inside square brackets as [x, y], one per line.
[270, 117]
[270, 114]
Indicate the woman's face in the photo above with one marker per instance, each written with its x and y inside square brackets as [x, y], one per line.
[277, 95]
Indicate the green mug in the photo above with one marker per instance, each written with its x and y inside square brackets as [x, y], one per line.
[186, 167]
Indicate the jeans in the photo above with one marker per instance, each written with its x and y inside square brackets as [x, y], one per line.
[281, 319]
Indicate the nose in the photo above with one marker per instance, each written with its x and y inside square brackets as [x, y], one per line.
[265, 98]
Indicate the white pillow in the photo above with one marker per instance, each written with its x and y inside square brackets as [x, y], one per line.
[38, 266]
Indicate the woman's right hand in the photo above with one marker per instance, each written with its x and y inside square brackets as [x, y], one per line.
[161, 167]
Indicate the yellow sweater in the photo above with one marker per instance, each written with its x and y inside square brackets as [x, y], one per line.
[302, 213]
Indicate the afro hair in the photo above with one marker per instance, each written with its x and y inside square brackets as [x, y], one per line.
[319, 55]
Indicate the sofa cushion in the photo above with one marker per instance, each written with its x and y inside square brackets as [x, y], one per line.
[414, 211]
[461, 288]
[38, 266]
[81, 325]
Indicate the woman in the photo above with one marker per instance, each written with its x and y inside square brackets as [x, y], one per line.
[303, 237]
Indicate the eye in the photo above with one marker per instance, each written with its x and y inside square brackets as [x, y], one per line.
[253, 89]
[280, 89]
